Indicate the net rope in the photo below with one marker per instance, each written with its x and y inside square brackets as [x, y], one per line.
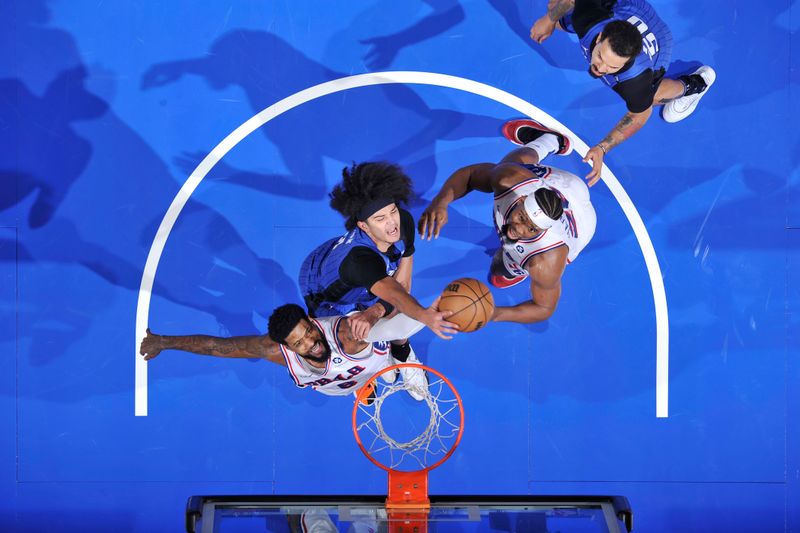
[444, 423]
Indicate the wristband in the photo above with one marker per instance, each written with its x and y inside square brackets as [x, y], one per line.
[388, 308]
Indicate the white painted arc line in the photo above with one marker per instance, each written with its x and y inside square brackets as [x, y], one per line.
[418, 78]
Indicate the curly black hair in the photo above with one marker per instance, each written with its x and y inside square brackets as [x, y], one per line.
[364, 182]
[623, 38]
[283, 320]
[550, 202]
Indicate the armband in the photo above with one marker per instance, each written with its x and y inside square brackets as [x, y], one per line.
[387, 306]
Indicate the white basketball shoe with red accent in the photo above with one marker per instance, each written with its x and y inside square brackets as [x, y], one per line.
[523, 131]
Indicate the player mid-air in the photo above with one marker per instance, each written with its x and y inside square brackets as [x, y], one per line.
[321, 353]
[542, 216]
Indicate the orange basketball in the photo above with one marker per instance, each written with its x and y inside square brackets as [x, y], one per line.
[470, 301]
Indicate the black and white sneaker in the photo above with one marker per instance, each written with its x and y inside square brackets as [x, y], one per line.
[697, 85]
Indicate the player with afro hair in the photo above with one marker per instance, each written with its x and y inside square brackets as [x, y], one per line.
[366, 273]
[365, 183]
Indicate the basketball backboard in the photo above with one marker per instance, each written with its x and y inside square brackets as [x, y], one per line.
[319, 514]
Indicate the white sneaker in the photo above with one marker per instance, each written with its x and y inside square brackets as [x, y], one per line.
[682, 107]
[391, 377]
[415, 378]
[364, 521]
[317, 521]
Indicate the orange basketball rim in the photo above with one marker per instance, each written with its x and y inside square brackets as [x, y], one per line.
[408, 487]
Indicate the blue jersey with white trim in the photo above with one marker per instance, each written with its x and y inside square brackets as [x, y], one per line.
[325, 293]
[343, 372]
[654, 31]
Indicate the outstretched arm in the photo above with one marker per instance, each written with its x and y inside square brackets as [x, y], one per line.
[545, 271]
[625, 128]
[390, 290]
[543, 28]
[168, 72]
[404, 270]
[472, 177]
[252, 346]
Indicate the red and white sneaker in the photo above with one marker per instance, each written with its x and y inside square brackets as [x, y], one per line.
[523, 131]
[502, 282]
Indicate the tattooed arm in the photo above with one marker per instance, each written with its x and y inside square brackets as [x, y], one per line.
[543, 28]
[253, 346]
[627, 126]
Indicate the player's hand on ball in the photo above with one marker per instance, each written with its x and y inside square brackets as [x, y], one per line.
[151, 346]
[595, 158]
[432, 219]
[435, 307]
[437, 321]
[470, 302]
[542, 29]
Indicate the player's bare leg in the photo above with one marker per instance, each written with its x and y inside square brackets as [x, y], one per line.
[668, 90]
[524, 156]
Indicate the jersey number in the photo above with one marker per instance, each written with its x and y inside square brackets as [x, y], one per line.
[649, 43]
[513, 267]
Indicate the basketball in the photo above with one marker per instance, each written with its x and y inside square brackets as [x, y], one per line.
[470, 301]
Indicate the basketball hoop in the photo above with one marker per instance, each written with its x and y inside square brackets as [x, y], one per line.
[408, 460]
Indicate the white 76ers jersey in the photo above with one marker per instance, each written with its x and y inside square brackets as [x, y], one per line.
[343, 373]
[574, 229]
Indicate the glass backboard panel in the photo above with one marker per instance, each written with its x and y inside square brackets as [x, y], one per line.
[594, 514]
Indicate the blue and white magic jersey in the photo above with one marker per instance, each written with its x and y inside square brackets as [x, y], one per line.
[656, 38]
[343, 373]
[325, 293]
[574, 229]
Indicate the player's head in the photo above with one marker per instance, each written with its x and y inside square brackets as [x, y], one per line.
[369, 197]
[289, 325]
[537, 212]
[617, 44]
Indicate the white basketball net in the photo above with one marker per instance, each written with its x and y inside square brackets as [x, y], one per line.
[435, 440]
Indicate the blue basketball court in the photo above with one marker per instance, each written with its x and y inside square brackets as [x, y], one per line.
[167, 165]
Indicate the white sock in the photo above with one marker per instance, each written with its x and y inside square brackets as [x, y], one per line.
[544, 145]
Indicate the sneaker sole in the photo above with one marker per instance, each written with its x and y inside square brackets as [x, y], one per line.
[512, 127]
